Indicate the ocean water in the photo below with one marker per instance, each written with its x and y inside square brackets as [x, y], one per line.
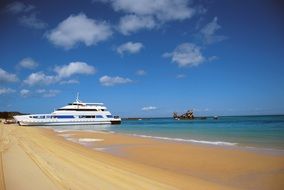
[264, 132]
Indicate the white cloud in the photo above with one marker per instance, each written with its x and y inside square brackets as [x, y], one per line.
[25, 92]
[19, 7]
[62, 72]
[39, 92]
[6, 91]
[163, 10]
[28, 63]
[212, 58]
[29, 16]
[40, 78]
[47, 93]
[149, 108]
[32, 21]
[79, 29]
[111, 81]
[186, 54]
[132, 23]
[180, 76]
[129, 47]
[209, 30]
[141, 72]
[7, 77]
[71, 81]
[74, 68]
[147, 14]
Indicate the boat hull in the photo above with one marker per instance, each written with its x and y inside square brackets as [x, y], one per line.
[26, 123]
[55, 122]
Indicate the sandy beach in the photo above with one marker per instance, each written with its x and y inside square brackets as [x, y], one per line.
[37, 158]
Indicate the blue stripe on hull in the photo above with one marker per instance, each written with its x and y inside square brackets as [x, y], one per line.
[63, 123]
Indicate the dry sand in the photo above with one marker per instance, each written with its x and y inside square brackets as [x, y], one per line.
[36, 158]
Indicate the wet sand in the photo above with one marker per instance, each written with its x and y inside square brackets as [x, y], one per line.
[37, 158]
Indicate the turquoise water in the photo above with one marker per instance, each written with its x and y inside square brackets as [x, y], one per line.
[244, 131]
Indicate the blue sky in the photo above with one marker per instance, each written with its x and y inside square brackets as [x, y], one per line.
[143, 58]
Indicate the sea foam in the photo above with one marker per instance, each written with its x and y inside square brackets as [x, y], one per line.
[188, 140]
[89, 140]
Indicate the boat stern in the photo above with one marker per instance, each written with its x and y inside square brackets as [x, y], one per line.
[20, 118]
[17, 119]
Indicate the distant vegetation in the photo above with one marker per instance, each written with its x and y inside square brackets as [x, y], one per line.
[9, 115]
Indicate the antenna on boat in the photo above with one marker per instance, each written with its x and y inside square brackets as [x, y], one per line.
[77, 98]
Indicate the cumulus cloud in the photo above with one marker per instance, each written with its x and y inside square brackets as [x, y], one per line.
[71, 81]
[180, 76]
[208, 32]
[79, 29]
[28, 16]
[47, 93]
[7, 77]
[129, 47]
[62, 72]
[6, 91]
[163, 10]
[212, 58]
[39, 92]
[186, 54]
[28, 63]
[19, 7]
[111, 81]
[74, 68]
[25, 92]
[141, 72]
[147, 14]
[132, 23]
[149, 108]
[32, 21]
[40, 78]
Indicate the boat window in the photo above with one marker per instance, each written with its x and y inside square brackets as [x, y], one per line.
[91, 116]
[65, 116]
[87, 116]
[109, 116]
[99, 116]
[71, 109]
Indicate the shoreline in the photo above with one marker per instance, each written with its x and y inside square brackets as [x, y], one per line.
[105, 160]
[213, 144]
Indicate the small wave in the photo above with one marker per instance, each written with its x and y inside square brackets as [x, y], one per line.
[89, 140]
[66, 135]
[188, 140]
[273, 151]
[100, 149]
[71, 139]
[61, 131]
[82, 130]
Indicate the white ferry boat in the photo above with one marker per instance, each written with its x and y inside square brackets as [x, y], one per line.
[76, 113]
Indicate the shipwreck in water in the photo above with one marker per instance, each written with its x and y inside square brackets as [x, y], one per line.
[187, 115]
